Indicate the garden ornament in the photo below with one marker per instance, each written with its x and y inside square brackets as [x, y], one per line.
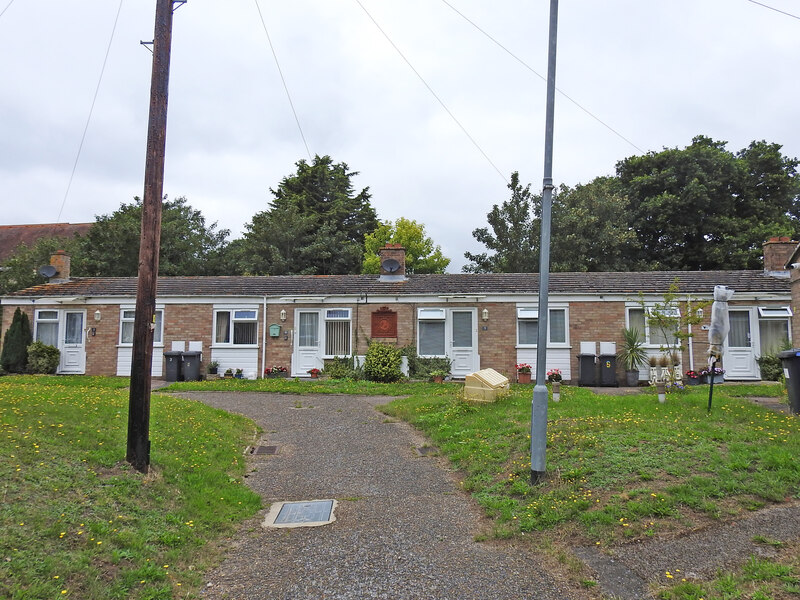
[719, 328]
[717, 332]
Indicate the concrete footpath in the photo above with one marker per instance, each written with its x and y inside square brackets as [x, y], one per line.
[404, 529]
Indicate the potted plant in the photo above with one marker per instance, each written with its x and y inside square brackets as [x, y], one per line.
[276, 371]
[228, 373]
[213, 367]
[693, 378]
[718, 375]
[554, 378]
[523, 373]
[438, 375]
[314, 372]
[654, 372]
[632, 354]
[239, 374]
[665, 368]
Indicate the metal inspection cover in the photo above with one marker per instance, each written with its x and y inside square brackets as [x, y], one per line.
[312, 513]
[264, 450]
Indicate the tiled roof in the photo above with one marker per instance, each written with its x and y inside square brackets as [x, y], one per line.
[695, 282]
[12, 236]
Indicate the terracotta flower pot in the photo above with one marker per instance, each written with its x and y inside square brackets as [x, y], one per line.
[523, 377]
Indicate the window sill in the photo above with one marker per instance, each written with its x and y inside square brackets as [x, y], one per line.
[234, 346]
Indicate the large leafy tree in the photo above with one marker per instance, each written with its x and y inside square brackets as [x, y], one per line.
[422, 255]
[21, 269]
[188, 246]
[705, 208]
[513, 235]
[589, 231]
[697, 208]
[316, 224]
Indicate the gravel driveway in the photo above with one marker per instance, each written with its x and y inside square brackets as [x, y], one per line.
[403, 529]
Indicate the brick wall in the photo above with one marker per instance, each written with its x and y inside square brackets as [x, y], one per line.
[497, 342]
[101, 348]
[189, 323]
[279, 350]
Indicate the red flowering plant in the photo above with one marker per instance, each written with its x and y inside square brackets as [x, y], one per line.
[554, 375]
[523, 368]
[692, 374]
[275, 370]
[314, 372]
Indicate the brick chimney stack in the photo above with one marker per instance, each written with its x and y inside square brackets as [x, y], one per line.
[60, 261]
[393, 256]
[777, 251]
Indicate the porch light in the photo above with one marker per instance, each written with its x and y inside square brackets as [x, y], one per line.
[97, 315]
[485, 314]
[283, 315]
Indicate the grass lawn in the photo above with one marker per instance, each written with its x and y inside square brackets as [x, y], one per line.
[76, 522]
[76, 519]
[619, 467]
[622, 468]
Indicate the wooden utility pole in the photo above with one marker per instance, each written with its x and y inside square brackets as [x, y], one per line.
[138, 452]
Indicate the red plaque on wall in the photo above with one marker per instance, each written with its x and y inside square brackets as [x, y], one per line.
[384, 323]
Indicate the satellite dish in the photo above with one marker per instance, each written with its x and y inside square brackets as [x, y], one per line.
[390, 265]
[47, 271]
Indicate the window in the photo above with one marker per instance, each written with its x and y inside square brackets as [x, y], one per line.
[47, 327]
[654, 334]
[236, 327]
[774, 328]
[528, 326]
[127, 317]
[431, 332]
[337, 332]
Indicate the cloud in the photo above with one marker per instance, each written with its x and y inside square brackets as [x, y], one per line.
[657, 73]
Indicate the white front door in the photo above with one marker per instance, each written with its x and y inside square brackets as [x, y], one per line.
[73, 343]
[307, 350]
[738, 357]
[463, 335]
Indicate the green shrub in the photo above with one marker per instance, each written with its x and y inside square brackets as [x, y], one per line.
[14, 357]
[382, 363]
[422, 368]
[341, 368]
[43, 359]
[771, 367]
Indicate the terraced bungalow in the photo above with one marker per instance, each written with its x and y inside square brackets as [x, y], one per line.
[477, 320]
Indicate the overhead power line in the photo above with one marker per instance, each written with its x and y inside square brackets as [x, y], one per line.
[283, 80]
[430, 89]
[6, 8]
[91, 110]
[542, 77]
[783, 12]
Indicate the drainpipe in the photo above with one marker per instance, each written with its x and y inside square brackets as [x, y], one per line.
[691, 345]
[264, 342]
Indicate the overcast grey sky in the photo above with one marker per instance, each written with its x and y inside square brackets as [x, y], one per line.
[658, 73]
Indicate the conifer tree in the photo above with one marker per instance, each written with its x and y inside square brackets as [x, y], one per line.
[14, 357]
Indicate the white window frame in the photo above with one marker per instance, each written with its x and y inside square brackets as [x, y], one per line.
[672, 311]
[432, 314]
[158, 332]
[232, 320]
[530, 313]
[774, 312]
[329, 316]
[39, 320]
